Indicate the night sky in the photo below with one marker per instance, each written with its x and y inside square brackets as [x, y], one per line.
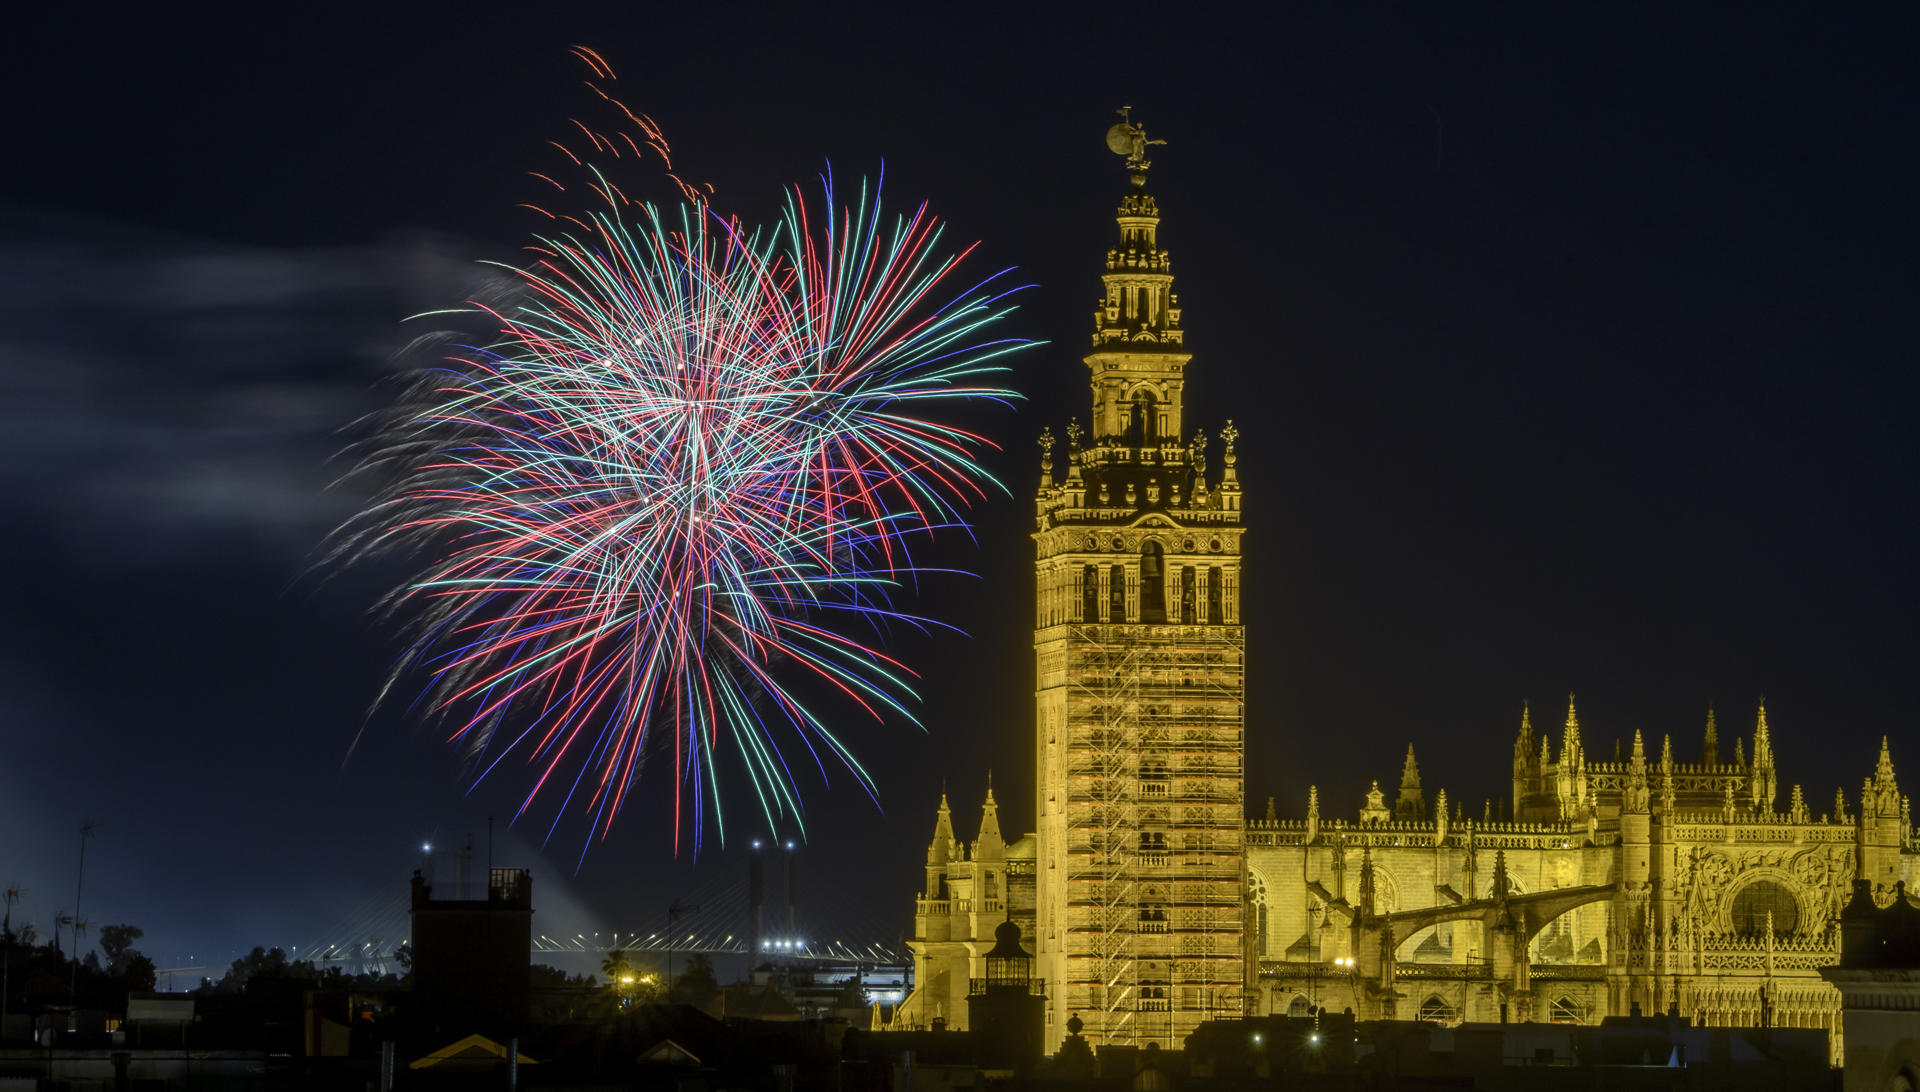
[1570, 352]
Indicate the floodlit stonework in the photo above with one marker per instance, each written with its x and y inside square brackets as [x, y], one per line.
[1154, 903]
[1641, 881]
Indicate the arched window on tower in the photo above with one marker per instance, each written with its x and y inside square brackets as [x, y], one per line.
[1216, 595]
[1090, 594]
[1188, 591]
[1117, 594]
[1153, 584]
[1140, 422]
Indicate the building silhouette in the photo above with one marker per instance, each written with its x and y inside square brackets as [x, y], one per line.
[470, 954]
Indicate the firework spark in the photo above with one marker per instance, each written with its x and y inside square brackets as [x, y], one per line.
[692, 465]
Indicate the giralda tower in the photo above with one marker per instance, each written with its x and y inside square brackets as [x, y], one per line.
[1139, 647]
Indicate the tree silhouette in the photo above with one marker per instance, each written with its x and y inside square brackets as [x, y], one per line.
[696, 985]
[116, 941]
[615, 966]
[140, 974]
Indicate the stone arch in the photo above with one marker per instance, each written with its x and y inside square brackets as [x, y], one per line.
[1436, 1010]
[1739, 916]
[1257, 912]
[1386, 891]
[1143, 415]
[1430, 944]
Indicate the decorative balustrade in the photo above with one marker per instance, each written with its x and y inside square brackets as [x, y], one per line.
[1035, 987]
[938, 907]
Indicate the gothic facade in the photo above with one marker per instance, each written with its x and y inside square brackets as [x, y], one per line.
[1154, 903]
[1639, 882]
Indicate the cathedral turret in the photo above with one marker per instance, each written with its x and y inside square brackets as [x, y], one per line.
[1634, 800]
[1710, 752]
[1667, 792]
[1570, 777]
[1636, 832]
[1411, 804]
[940, 850]
[1879, 832]
[1886, 788]
[1571, 752]
[1375, 809]
[1764, 781]
[1523, 774]
[990, 846]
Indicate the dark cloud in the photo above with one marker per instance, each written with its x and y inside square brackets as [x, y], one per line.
[166, 390]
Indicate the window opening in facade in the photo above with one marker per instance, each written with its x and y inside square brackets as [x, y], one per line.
[1153, 585]
[1755, 901]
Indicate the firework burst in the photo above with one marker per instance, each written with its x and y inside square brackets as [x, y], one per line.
[664, 506]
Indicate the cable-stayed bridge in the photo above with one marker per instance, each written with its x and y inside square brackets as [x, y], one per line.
[755, 908]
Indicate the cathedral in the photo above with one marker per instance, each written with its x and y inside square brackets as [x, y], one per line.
[1153, 902]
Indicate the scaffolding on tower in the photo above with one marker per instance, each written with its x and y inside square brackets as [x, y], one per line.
[1154, 723]
[1102, 705]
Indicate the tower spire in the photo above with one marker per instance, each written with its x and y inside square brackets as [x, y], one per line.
[1411, 804]
[940, 850]
[1132, 541]
[1138, 357]
[942, 832]
[1711, 754]
[1763, 781]
[1570, 749]
[990, 845]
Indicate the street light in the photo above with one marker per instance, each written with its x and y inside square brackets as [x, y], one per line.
[1346, 964]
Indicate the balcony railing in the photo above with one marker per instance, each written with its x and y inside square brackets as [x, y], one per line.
[1036, 987]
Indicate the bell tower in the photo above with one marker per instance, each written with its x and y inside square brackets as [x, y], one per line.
[1139, 647]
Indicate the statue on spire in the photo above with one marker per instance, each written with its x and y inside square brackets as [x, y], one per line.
[1130, 140]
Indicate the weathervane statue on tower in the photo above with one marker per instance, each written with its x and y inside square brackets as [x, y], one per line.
[1130, 140]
